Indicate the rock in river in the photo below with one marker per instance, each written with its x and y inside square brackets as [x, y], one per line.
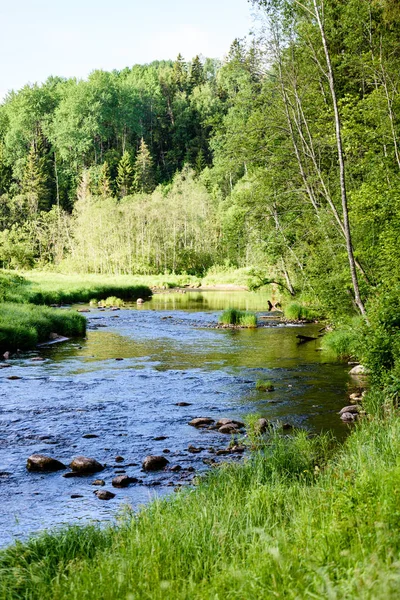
[82, 464]
[223, 422]
[41, 462]
[104, 494]
[123, 481]
[349, 417]
[359, 370]
[154, 463]
[353, 409]
[201, 422]
[229, 428]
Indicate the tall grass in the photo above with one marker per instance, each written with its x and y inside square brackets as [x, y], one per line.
[22, 326]
[239, 318]
[293, 522]
[298, 312]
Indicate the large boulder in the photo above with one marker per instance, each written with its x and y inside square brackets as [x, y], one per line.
[41, 462]
[154, 463]
[83, 464]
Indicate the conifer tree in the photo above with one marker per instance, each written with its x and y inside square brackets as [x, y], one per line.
[33, 182]
[125, 175]
[104, 186]
[180, 73]
[144, 173]
[196, 73]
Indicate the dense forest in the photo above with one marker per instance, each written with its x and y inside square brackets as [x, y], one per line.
[284, 157]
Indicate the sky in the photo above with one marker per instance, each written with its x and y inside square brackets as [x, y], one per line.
[71, 38]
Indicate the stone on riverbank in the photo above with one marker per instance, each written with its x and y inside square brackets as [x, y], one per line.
[41, 462]
[359, 370]
[82, 464]
[349, 417]
[222, 422]
[353, 409]
[154, 463]
[261, 426]
[229, 428]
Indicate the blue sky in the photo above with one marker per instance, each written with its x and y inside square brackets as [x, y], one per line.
[70, 38]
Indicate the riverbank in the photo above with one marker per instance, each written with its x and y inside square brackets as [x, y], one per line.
[297, 520]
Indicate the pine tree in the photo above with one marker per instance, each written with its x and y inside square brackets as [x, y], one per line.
[33, 182]
[196, 73]
[180, 73]
[144, 173]
[125, 175]
[104, 186]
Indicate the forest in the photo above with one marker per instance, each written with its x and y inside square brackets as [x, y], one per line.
[283, 158]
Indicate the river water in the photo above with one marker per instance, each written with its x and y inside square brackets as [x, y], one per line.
[122, 385]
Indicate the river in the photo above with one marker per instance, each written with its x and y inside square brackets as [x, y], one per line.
[122, 384]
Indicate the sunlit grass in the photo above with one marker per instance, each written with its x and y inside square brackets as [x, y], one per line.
[22, 326]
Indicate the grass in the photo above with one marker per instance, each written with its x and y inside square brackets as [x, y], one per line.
[22, 326]
[296, 521]
[52, 288]
[112, 301]
[264, 385]
[298, 312]
[238, 318]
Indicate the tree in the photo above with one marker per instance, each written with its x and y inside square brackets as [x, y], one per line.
[125, 175]
[143, 170]
[196, 76]
[33, 184]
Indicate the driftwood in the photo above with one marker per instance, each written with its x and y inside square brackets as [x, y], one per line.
[274, 306]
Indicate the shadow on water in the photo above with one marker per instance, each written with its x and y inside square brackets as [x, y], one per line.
[122, 385]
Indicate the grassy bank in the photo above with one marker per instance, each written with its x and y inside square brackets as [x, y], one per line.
[293, 522]
[22, 326]
[55, 288]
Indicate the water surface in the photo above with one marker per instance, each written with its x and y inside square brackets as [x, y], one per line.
[171, 352]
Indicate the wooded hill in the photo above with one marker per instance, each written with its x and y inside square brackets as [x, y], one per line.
[285, 157]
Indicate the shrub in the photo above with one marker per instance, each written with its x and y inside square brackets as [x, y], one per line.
[297, 312]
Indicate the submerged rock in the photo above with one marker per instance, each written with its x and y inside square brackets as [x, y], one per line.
[82, 464]
[154, 463]
[183, 404]
[41, 462]
[201, 422]
[99, 482]
[194, 450]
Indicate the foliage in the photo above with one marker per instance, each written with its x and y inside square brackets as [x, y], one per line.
[298, 312]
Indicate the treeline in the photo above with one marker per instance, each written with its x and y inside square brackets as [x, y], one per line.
[284, 157]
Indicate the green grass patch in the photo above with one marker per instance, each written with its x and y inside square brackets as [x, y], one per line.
[239, 318]
[264, 385]
[294, 521]
[112, 301]
[55, 288]
[298, 312]
[22, 326]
